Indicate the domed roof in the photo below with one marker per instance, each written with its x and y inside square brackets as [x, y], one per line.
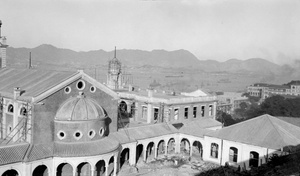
[79, 108]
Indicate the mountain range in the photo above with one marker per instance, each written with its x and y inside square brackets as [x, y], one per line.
[45, 54]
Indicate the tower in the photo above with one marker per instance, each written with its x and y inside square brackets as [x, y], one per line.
[3, 47]
[114, 76]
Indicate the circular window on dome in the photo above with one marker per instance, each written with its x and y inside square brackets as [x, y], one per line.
[67, 90]
[91, 133]
[61, 135]
[101, 131]
[77, 135]
[80, 85]
[93, 89]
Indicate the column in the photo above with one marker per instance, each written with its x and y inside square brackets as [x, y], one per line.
[155, 151]
[166, 147]
[149, 113]
[128, 103]
[106, 167]
[138, 112]
[132, 155]
[171, 117]
[191, 149]
[177, 144]
[92, 170]
[115, 164]
[145, 152]
[214, 109]
[74, 171]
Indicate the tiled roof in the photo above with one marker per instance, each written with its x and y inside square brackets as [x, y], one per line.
[39, 151]
[32, 81]
[13, 153]
[98, 147]
[133, 134]
[264, 131]
[199, 127]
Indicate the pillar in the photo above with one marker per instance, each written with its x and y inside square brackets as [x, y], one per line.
[74, 171]
[115, 164]
[145, 152]
[177, 144]
[171, 117]
[191, 149]
[149, 113]
[92, 170]
[166, 147]
[155, 151]
[106, 167]
[132, 156]
[138, 113]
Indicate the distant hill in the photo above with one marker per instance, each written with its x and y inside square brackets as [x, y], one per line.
[50, 55]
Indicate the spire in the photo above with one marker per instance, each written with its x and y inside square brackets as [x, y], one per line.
[115, 52]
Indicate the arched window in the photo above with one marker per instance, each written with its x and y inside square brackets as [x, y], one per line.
[214, 150]
[23, 111]
[233, 154]
[254, 158]
[10, 108]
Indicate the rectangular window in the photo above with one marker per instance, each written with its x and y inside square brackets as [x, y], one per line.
[156, 110]
[195, 112]
[176, 113]
[186, 112]
[202, 111]
[214, 150]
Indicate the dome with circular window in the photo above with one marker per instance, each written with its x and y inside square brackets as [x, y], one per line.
[79, 108]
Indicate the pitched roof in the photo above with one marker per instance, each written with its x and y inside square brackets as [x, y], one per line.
[13, 154]
[291, 120]
[199, 127]
[133, 134]
[36, 84]
[32, 81]
[264, 131]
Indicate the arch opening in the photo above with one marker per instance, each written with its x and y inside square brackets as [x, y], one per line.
[185, 146]
[139, 152]
[161, 148]
[41, 170]
[150, 151]
[171, 146]
[11, 172]
[124, 157]
[64, 169]
[197, 149]
[100, 168]
[83, 169]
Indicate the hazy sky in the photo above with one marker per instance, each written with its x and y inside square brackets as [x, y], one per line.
[210, 29]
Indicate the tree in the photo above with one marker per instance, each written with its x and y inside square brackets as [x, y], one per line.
[225, 118]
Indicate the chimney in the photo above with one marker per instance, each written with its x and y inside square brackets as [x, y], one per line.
[17, 92]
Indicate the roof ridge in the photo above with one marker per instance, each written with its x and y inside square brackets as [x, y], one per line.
[284, 130]
[246, 121]
[275, 127]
